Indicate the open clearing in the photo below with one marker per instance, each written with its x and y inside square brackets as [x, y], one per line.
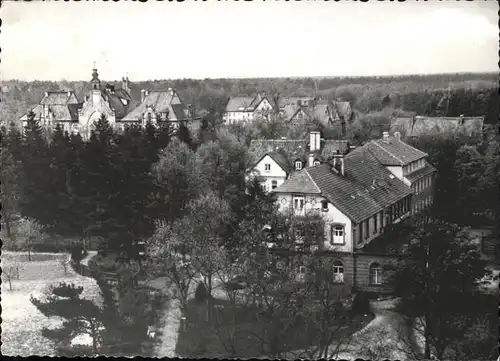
[21, 321]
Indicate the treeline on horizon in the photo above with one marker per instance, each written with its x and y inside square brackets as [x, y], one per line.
[420, 94]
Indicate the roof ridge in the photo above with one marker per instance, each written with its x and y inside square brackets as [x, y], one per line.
[311, 178]
[392, 155]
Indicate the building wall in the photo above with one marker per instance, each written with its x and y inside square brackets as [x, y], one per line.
[424, 197]
[398, 172]
[275, 173]
[362, 263]
[92, 111]
[246, 116]
[313, 205]
[237, 117]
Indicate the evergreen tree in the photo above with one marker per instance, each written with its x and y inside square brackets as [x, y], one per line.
[132, 189]
[10, 176]
[185, 135]
[80, 316]
[98, 185]
[59, 157]
[469, 169]
[36, 185]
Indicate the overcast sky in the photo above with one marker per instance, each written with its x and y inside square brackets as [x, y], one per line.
[224, 39]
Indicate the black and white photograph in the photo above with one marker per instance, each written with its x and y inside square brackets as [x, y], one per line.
[264, 179]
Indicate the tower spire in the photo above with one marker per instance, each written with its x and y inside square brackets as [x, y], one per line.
[95, 79]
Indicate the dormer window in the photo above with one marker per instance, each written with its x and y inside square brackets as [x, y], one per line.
[298, 165]
[316, 162]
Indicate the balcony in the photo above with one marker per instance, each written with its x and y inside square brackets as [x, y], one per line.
[306, 213]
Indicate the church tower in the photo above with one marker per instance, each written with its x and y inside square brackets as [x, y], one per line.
[95, 93]
[96, 83]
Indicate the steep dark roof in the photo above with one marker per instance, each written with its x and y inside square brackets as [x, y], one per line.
[280, 159]
[299, 182]
[291, 148]
[366, 188]
[160, 101]
[59, 98]
[394, 152]
[116, 99]
[61, 113]
[420, 125]
[244, 104]
[294, 149]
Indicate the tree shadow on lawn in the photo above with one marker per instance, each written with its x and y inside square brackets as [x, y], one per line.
[237, 331]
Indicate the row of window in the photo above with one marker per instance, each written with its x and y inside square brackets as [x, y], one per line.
[410, 168]
[421, 184]
[274, 185]
[374, 224]
[420, 205]
[375, 273]
[299, 202]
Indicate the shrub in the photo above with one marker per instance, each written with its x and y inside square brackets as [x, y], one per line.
[361, 304]
[67, 290]
[44, 247]
[77, 253]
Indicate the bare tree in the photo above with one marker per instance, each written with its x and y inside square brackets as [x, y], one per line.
[11, 272]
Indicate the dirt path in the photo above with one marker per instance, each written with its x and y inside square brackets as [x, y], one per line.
[381, 338]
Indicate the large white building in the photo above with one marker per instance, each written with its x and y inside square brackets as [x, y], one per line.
[114, 102]
[246, 109]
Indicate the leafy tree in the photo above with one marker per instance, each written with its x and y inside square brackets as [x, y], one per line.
[222, 164]
[177, 180]
[435, 277]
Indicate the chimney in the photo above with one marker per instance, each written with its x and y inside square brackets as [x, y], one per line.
[338, 163]
[125, 84]
[46, 94]
[143, 95]
[385, 136]
[69, 94]
[311, 160]
[314, 141]
[86, 98]
[397, 136]
[461, 119]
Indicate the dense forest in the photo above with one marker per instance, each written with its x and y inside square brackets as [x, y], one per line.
[442, 94]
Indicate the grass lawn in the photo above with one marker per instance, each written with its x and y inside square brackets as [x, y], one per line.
[21, 321]
[234, 331]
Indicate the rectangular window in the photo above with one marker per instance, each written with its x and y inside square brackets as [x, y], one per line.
[298, 165]
[375, 224]
[299, 236]
[324, 206]
[337, 234]
[367, 229]
[267, 167]
[376, 276]
[274, 184]
[298, 203]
